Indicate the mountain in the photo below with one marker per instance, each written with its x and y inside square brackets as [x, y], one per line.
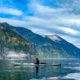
[12, 42]
[50, 45]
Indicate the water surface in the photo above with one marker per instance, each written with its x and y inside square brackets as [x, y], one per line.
[11, 70]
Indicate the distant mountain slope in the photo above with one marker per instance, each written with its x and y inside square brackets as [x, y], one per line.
[12, 41]
[50, 45]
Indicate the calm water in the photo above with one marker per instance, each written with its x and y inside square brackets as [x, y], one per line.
[69, 70]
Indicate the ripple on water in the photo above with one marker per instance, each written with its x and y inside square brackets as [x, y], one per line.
[74, 76]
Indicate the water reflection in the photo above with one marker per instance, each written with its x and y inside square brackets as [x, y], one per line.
[37, 66]
[9, 71]
[37, 69]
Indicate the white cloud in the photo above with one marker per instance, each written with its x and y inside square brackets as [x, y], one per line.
[51, 24]
[69, 20]
[72, 40]
[69, 30]
[41, 31]
[14, 22]
[60, 14]
[11, 11]
[74, 20]
[44, 11]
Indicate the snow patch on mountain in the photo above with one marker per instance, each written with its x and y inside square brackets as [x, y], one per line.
[54, 37]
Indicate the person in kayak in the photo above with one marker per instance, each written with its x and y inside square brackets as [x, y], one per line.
[37, 61]
[37, 66]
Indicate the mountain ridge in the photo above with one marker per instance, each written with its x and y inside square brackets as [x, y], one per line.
[40, 42]
[11, 41]
[47, 47]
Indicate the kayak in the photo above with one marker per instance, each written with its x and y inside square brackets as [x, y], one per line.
[33, 64]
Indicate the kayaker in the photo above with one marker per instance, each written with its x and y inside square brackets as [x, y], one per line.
[37, 61]
[37, 66]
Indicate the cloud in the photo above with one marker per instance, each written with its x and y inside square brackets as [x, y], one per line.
[14, 22]
[43, 11]
[71, 6]
[69, 31]
[11, 11]
[51, 24]
[74, 20]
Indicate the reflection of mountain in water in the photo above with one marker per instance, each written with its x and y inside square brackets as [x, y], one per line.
[18, 40]
[10, 72]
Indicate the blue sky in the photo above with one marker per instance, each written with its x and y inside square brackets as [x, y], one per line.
[61, 17]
